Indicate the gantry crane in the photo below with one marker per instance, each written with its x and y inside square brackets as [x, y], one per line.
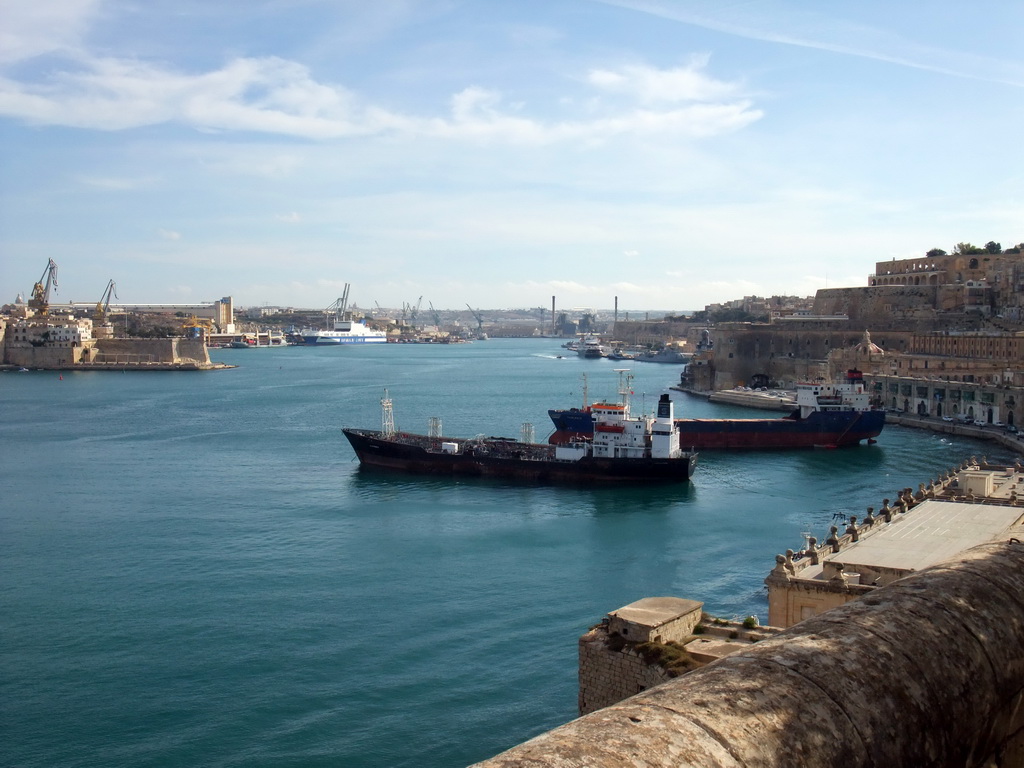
[40, 300]
[339, 307]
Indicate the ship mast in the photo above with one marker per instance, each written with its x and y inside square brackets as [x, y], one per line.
[625, 380]
[387, 416]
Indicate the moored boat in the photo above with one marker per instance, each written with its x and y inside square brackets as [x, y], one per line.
[827, 415]
[345, 329]
[669, 355]
[622, 449]
[590, 347]
[343, 332]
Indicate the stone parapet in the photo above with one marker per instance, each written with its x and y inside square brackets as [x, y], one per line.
[926, 671]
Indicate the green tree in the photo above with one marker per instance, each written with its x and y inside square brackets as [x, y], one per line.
[967, 249]
[993, 247]
[935, 252]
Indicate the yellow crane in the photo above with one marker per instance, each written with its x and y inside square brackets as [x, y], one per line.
[40, 300]
[99, 317]
[198, 327]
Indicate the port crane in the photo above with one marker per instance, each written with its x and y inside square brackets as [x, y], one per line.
[437, 317]
[40, 300]
[338, 308]
[99, 317]
[479, 318]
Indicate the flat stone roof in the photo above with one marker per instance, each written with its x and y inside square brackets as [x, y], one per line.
[655, 611]
[708, 649]
[930, 532]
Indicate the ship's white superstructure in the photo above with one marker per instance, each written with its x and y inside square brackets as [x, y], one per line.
[344, 332]
[344, 329]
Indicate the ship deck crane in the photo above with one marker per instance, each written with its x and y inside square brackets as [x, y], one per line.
[99, 317]
[40, 300]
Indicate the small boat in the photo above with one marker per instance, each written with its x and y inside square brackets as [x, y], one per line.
[623, 449]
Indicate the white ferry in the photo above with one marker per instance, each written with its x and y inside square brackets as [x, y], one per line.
[344, 330]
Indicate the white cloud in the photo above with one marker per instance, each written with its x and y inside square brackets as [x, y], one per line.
[276, 96]
[169, 234]
[267, 95]
[116, 184]
[289, 218]
[650, 85]
[29, 29]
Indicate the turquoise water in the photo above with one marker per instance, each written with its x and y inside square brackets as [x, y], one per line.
[195, 572]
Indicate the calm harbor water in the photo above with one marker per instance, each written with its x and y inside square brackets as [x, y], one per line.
[194, 571]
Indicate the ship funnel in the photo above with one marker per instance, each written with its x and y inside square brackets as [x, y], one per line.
[665, 407]
[664, 436]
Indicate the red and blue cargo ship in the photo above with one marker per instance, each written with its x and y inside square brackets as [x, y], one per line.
[826, 415]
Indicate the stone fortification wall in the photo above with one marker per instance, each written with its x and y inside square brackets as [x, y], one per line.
[173, 350]
[611, 672]
[786, 352]
[101, 352]
[924, 307]
[876, 305]
[926, 671]
[658, 332]
[42, 357]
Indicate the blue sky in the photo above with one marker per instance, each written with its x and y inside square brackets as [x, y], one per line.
[668, 152]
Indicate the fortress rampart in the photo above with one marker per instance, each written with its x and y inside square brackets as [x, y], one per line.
[928, 670]
[173, 350]
[100, 354]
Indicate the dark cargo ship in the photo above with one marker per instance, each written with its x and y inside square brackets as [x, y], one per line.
[826, 416]
[621, 449]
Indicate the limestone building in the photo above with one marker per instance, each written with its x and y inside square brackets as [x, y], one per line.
[974, 505]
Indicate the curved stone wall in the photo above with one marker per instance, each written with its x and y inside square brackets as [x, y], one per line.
[926, 671]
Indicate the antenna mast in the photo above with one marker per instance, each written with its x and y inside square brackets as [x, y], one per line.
[625, 379]
[387, 417]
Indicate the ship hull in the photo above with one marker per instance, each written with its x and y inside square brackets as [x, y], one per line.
[507, 459]
[324, 340]
[825, 429]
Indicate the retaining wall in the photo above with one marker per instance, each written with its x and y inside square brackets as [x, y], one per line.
[608, 675]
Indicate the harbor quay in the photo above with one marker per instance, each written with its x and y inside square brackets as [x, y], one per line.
[896, 641]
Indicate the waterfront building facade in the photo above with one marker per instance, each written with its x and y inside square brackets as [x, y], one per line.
[62, 339]
[973, 505]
